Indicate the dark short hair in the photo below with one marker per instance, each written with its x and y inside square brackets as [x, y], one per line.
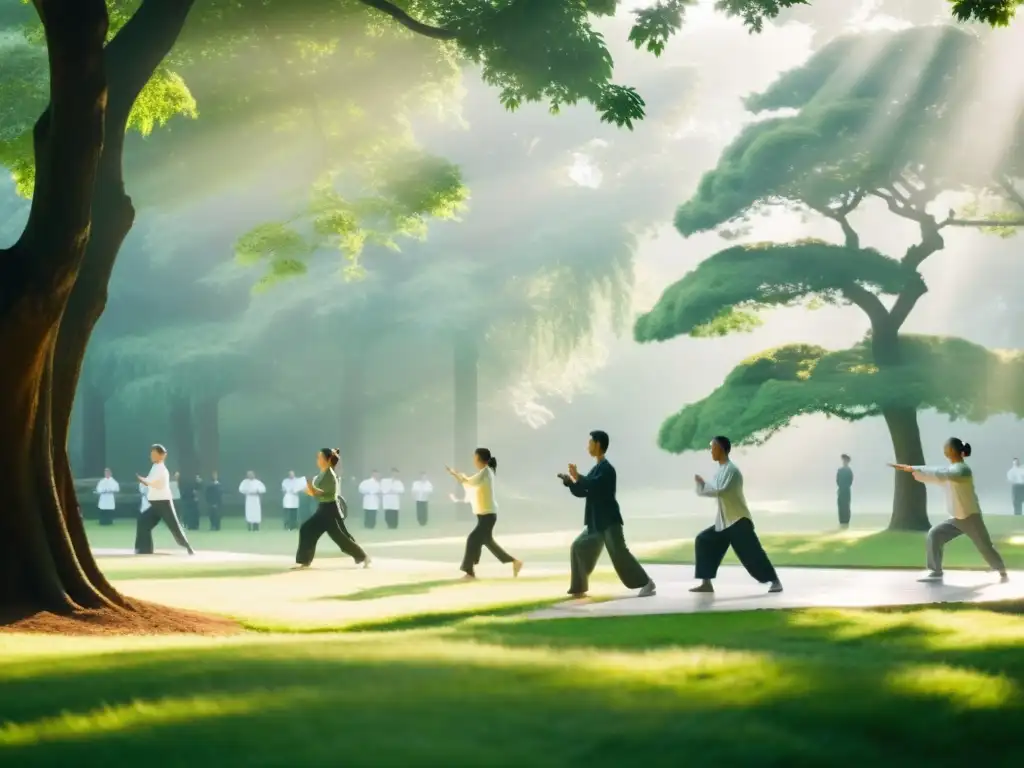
[601, 438]
[724, 443]
[844, 456]
[158, 448]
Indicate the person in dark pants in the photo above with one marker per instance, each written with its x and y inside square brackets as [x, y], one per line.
[107, 490]
[603, 525]
[844, 484]
[158, 492]
[1015, 477]
[369, 489]
[214, 497]
[391, 489]
[329, 517]
[733, 526]
[190, 503]
[480, 491]
[421, 490]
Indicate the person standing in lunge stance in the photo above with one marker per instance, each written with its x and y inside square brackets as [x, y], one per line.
[480, 492]
[158, 494]
[964, 509]
[844, 488]
[733, 526]
[329, 517]
[602, 521]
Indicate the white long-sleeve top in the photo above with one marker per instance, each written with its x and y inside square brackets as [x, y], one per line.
[1015, 476]
[958, 481]
[727, 487]
[105, 489]
[144, 493]
[480, 491]
[252, 489]
[158, 483]
[370, 491]
[421, 490]
[291, 487]
[392, 490]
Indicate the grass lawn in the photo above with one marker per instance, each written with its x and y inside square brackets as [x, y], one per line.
[864, 549]
[807, 688]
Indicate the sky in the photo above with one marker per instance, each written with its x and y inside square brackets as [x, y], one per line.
[537, 408]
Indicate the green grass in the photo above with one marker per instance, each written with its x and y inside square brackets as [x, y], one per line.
[806, 688]
[861, 549]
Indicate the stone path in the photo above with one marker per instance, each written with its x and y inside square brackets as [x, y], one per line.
[804, 588]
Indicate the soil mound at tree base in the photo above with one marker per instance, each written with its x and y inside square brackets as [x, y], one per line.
[142, 619]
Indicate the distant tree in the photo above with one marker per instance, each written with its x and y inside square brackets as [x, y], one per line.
[854, 140]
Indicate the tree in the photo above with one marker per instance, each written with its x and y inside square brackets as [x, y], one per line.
[854, 140]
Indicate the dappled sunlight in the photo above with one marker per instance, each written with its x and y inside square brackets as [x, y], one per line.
[140, 714]
[963, 689]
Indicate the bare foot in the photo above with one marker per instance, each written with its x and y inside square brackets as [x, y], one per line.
[578, 595]
[702, 589]
[517, 566]
[468, 577]
[298, 567]
[365, 564]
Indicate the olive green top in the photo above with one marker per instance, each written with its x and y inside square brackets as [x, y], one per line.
[325, 487]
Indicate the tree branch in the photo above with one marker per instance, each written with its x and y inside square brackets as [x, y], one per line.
[1007, 185]
[407, 21]
[867, 301]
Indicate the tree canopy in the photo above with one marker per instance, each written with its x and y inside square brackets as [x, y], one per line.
[765, 392]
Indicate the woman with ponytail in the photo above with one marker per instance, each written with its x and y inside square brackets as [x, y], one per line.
[965, 511]
[329, 517]
[480, 493]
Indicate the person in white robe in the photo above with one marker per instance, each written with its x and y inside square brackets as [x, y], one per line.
[252, 489]
[733, 526]
[176, 489]
[291, 487]
[1015, 477]
[107, 490]
[421, 490]
[369, 489]
[391, 490]
[144, 493]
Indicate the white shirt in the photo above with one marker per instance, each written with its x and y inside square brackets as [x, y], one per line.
[144, 492]
[106, 488]
[175, 491]
[392, 490]
[158, 483]
[252, 489]
[291, 487]
[480, 492]
[1015, 476]
[958, 480]
[370, 489]
[727, 487]
[421, 490]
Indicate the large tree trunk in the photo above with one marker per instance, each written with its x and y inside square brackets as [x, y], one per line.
[183, 437]
[207, 416]
[39, 538]
[910, 498]
[94, 429]
[466, 362]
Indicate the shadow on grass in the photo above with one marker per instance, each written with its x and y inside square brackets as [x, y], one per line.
[189, 572]
[836, 688]
[398, 590]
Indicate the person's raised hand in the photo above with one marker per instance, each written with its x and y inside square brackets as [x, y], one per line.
[698, 480]
[573, 472]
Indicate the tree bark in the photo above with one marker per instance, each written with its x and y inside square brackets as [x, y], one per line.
[183, 435]
[40, 569]
[94, 431]
[466, 360]
[207, 416]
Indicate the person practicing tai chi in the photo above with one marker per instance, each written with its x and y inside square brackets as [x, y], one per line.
[602, 521]
[291, 487]
[421, 490]
[329, 517]
[733, 526]
[1015, 477]
[965, 511]
[252, 489]
[160, 507]
[107, 489]
[369, 489]
[480, 492]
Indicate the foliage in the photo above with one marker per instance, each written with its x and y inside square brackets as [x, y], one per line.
[767, 391]
[725, 292]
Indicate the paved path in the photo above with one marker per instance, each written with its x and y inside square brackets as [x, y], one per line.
[804, 588]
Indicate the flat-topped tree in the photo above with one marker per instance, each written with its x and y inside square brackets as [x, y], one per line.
[855, 140]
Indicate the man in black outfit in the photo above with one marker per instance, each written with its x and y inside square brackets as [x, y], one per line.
[844, 486]
[603, 525]
[214, 496]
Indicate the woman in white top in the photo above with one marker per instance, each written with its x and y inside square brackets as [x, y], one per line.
[480, 493]
[160, 505]
[964, 509]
